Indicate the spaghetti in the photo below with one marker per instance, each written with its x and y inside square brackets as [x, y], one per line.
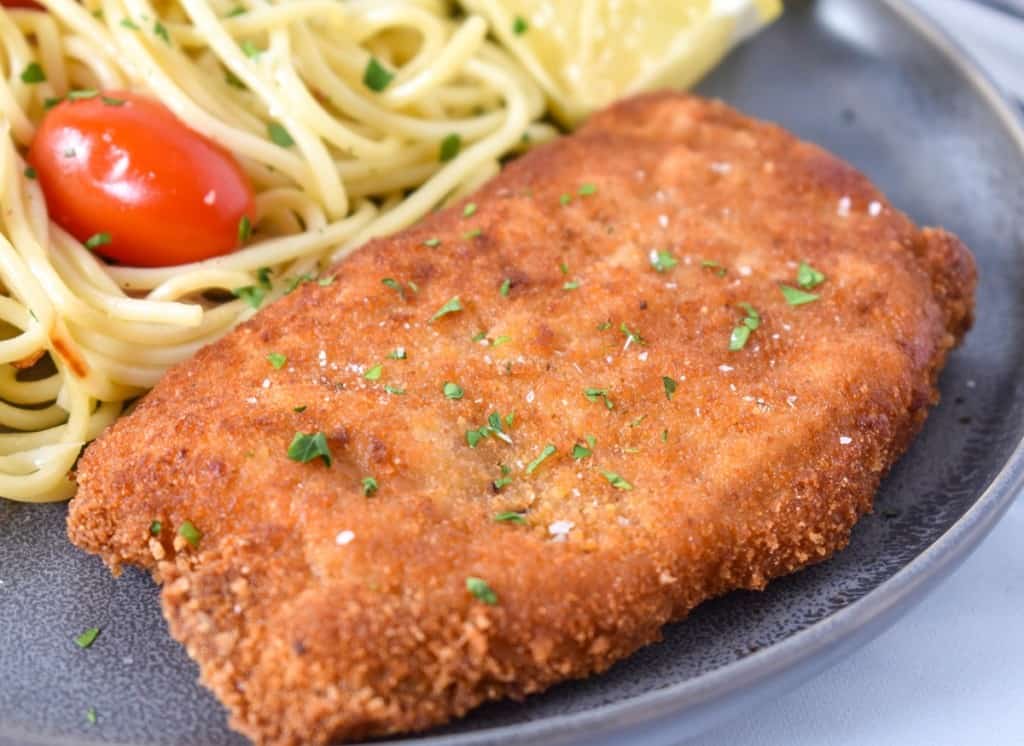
[362, 163]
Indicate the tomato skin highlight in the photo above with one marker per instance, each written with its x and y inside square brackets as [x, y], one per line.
[123, 165]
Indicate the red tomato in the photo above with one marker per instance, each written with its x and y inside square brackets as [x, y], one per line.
[122, 170]
[31, 4]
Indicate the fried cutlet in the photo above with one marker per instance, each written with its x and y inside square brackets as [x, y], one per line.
[506, 446]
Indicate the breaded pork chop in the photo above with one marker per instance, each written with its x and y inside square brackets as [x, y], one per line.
[530, 445]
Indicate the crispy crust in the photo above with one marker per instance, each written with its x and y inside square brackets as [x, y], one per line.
[772, 453]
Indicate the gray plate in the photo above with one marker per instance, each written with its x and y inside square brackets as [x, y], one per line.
[870, 81]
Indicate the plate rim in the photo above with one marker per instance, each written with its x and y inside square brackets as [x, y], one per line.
[799, 657]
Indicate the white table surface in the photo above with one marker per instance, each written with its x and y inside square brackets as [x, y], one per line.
[951, 672]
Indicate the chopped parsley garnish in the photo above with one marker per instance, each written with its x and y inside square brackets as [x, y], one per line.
[740, 334]
[481, 591]
[452, 390]
[450, 147]
[571, 285]
[506, 285]
[370, 486]
[160, 30]
[392, 389]
[87, 638]
[190, 533]
[251, 294]
[548, 451]
[715, 267]
[564, 268]
[591, 440]
[90, 716]
[376, 77]
[664, 436]
[263, 278]
[294, 282]
[808, 277]
[510, 516]
[670, 387]
[398, 354]
[616, 481]
[587, 189]
[596, 394]
[501, 340]
[111, 101]
[795, 296]
[631, 336]
[580, 451]
[97, 239]
[663, 261]
[300, 409]
[373, 374]
[469, 210]
[30, 173]
[33, 73]
[50, 101]
[129, 23]
[475, 233]
[431, 243]
[452, 306]
[249, 49]
[738, 338]
[519, 26]
[277, 360]
[244, 229]
[279, 135]
[394, 285]
[479, 337]
[604, 326]
[638, 421]
[307, 446]
[155, 528]
[238, 10]
[328, 281]
[504, 481]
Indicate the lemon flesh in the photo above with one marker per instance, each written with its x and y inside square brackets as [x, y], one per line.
[587, 53]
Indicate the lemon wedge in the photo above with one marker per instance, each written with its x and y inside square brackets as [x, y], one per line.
[587, 53]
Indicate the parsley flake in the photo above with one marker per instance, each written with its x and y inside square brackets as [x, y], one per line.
[796, 297]
[394, 285]
[564, 199]
[249, 49]
[808, 277]
[670, 387]
[97, 239]
[130, 24]
[506, 285]
[580, 452]
[376, 77]
[111, 101]
[519, 26]
[370, 486]
[33, 73]
[715, 267]
[398, 354]
[90, 716]
[452, 390]
[279, 135]
[452, 306]
[277, 360]
[510, 516]
[87, 638]
[548, 451]
[307, 446]
[251, 294]
[263, 278]
[244, 229]
[30, 173]
[481, 591]
[469, 210]
[475, 233]
[82, 94]
[738, 338]
[392, 389]
[596, 394]
[431, 243]
[190, 533]
[631, 336]
[155, 528]
[373, 374]
[616, 481]
[160, 30]
[571, 285]
[450, 147]
[587, 189]
[663, 261]
[300, 409]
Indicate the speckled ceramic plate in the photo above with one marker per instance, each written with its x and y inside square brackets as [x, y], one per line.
[867, 79]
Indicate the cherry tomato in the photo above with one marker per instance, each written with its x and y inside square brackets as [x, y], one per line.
[30, 4]
[123, 175]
